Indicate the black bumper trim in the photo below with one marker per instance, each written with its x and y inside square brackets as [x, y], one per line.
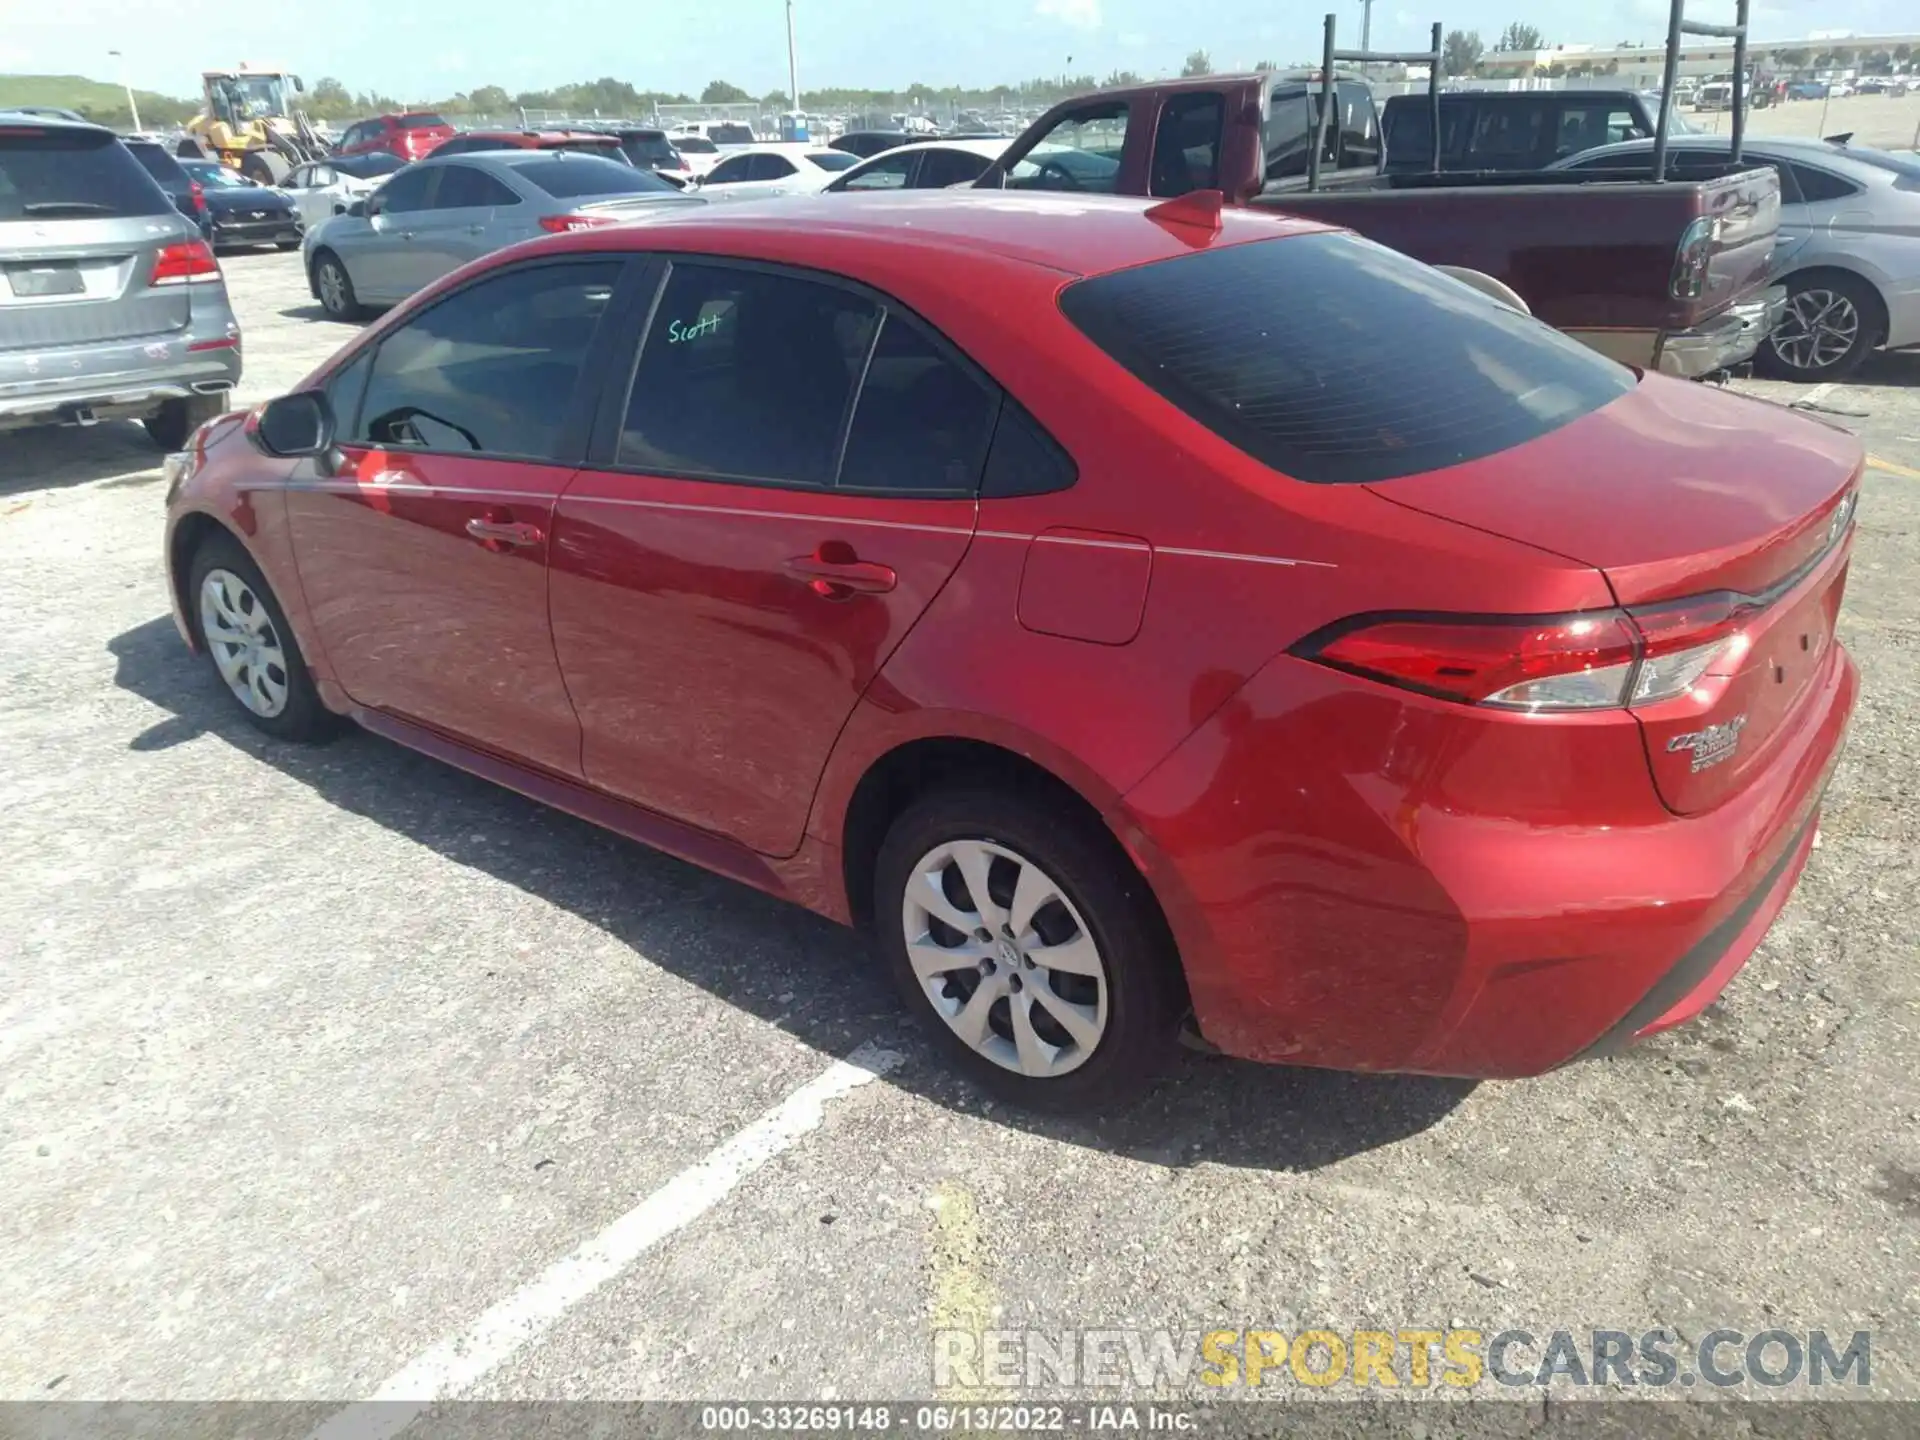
[1694, 966]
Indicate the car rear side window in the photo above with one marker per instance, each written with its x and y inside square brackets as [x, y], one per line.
[1337, 361]
[1818, 185]
[492, 369]
[423, 122]
[573, 177]
[60, 174]
[746, 374]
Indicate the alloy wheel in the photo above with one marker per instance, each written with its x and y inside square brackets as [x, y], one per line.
[1818, 330]
[1005, 958]
[245, 646]
[333, 288]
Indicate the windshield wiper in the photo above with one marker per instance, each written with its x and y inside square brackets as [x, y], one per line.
[90, 207]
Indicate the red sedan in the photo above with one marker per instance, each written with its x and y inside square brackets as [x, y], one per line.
[1125, 613]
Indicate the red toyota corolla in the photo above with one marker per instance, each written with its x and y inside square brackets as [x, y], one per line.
[1123, 612]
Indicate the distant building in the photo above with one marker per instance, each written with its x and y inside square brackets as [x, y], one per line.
[1640, 67]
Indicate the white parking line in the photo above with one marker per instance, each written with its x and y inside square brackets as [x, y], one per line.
[455, 1363]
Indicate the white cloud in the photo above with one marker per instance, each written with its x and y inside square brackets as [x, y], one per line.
[1080, 14]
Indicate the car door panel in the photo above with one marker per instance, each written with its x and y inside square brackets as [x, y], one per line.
[423, 613]
[424, 556]
[710, 665]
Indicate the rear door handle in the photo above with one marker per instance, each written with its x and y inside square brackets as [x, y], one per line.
[476, 229]
[496, 534]
[836, 579]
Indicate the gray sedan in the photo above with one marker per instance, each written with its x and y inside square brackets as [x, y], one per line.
[1849, 246]
[436, 215]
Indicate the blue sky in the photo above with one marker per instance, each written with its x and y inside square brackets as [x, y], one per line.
[423, 49]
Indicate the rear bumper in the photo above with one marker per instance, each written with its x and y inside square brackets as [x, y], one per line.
[1367, 882]
[120, 381]
[1731, 338]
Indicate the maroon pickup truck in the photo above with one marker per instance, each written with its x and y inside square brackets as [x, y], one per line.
[1669, 276]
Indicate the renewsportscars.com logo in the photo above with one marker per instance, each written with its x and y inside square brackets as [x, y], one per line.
[1010, 1361]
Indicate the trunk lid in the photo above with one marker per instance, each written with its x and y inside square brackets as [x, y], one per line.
[1675, 493]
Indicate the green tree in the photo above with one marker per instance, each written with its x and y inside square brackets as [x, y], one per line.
[1198, 63]
[719, 92]
[329, 99]
[1119, 77]
[774, 100]
[490, 100]
[1795, 59]
[1518, 36]
[1462, 51]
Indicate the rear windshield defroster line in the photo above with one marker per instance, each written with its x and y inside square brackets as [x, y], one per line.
[1337, 361]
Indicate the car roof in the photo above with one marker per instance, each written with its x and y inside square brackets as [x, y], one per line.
[783, 147]
[1795, 147]
[40, 119]
[992, 149]
[1088, 235]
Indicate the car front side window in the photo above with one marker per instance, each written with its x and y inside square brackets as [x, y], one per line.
[492, 369]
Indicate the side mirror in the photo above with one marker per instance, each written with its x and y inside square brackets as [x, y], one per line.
[294, 426]
[340, 209]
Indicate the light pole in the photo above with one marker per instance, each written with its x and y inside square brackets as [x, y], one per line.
[1366, 24]
[793, 68]
[133, 108]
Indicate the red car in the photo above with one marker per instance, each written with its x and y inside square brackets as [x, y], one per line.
[1123, 611]
[412, 136]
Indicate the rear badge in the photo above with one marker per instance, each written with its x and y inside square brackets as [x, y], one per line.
[1711, 745]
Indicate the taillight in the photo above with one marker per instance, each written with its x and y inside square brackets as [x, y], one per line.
[1592, 660]
[184, 262]
[199, 193]
[1691, 260]
[561, 224]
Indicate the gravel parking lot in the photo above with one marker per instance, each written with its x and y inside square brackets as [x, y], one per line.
[310, 1059]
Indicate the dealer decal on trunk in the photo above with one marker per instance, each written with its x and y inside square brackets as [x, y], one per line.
[1711, 745]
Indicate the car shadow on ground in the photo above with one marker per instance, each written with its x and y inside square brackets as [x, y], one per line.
[52, 457]
[1210, 1109]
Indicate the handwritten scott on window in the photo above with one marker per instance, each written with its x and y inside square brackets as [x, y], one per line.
[678, 332]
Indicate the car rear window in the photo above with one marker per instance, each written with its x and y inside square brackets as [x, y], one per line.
[1336, 361]
[730, 135]
[570, 176]
[694, 145]
[57, 174]
[423, 122]
[834, 160]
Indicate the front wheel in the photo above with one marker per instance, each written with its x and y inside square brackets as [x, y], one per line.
[1831, 326]
[335, 287]
[246, 635]
[1029, 945]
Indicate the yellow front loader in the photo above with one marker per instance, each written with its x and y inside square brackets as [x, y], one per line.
[250, 120]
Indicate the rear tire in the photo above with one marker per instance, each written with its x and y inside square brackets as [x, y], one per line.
[285, 245]
[245, 634]
[1088, 1031]
[1833, 322]
[334, 287]
[178, 419]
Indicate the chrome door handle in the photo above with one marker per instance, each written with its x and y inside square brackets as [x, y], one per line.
[503, 532]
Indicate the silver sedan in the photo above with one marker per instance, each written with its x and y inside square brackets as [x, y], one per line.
[1849, 246]
[436, 215]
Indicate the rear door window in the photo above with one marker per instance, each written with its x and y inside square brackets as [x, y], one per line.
[746, 374]
[922, 422]
[1288, 131]
[1186, 144]
[1337, 361]
[73, 175]
[890, 172]
[1080, 152]
[941, 168]
[462, 187]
